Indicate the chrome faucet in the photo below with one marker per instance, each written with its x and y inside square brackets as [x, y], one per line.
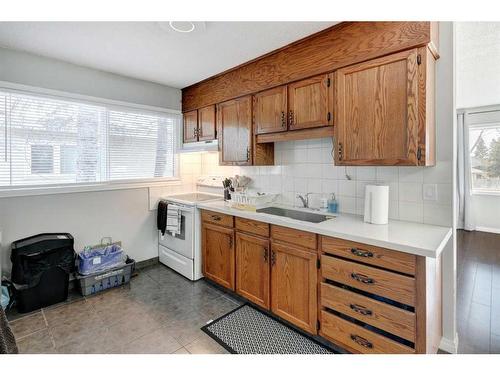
[304, 199]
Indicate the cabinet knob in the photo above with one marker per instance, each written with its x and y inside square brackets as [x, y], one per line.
[361, 253]
[362, 341]
[273, 258]
[290, 118]
[340, 150]
[362, 278]
[265, 252]
[283, 119]
[360, 309]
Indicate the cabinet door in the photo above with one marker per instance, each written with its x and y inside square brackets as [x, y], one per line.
[377, 111]
[206, 123]
[294, 285]
[234, 123]
[252, 268]
[218, 254]
[308, 102]
[270, 110]
[190, 126]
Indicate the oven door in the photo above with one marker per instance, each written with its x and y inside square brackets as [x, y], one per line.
[182, 243]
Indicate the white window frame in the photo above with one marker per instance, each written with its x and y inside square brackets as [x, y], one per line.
[483, 117]
[15, 191]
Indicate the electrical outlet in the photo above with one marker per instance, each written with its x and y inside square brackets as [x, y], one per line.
[430, 192]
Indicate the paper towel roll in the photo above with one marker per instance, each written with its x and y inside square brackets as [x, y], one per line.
[377, 204]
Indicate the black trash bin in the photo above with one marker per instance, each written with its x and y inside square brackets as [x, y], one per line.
[41, 266]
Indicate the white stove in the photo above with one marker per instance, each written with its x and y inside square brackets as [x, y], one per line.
[182, 252]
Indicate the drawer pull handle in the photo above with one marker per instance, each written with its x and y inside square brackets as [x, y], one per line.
[360, 309]
[362, 253]
[216, 218]
[362, 278]
[362, 341]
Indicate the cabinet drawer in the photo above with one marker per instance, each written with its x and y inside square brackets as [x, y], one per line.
[252, 226]
[382, 283]
[377, 256]
[217, 218]
[294, 237]
[358, 338]
[378, 314]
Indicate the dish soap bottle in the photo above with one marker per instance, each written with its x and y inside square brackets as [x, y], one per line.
[333, 205]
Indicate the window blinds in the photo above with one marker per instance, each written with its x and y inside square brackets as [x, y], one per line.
[45, 140]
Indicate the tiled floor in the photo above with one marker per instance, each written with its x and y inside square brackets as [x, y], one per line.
[158, 312]
[478, 292]
[162, 312]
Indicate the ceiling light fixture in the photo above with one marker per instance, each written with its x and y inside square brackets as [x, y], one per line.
[182, 26]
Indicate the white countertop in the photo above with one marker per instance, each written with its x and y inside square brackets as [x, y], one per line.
[414, 238]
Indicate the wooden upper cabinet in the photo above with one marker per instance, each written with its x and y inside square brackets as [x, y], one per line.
[206, 123]
[190, 120]
[270, 110]
[380, 111]
[253, 268]
[294, 285]
[234, 126]
[218, 254]
[310, 102]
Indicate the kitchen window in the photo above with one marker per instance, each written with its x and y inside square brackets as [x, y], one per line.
[46, 140]
[484, 142]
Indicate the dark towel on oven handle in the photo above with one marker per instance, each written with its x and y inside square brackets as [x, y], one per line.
[161, 219]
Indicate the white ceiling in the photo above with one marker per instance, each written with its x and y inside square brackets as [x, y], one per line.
[144, 50]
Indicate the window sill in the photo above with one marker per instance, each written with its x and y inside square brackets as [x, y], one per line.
[486, 192]
[67, 189]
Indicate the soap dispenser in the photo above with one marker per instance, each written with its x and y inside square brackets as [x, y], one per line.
[332, 204]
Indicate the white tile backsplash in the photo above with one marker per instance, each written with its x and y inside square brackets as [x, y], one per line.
[410, 192]
[307, 166]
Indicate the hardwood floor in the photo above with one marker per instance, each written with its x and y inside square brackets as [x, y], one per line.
[478, 292]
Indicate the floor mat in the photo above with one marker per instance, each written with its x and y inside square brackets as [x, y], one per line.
[247, 330]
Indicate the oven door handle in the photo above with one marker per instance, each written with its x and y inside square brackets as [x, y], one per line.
[181, 208]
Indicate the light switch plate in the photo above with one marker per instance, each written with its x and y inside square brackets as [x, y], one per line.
[430, 192]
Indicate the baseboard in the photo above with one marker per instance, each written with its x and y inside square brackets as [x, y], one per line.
[146, 263]
[450, 346]
[488, 229]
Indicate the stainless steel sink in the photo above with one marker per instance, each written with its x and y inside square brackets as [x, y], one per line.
[294, 214]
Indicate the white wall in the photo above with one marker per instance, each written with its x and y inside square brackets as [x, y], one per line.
[307, 166]
[29, 69]
[486, 212]
[478, 70]
[478, 84]
[122, 214]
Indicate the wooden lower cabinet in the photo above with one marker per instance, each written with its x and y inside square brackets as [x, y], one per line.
[381, 301]
[218, 254]
[253, 268]
[359, 339]
[366, 299]
[294, 285]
